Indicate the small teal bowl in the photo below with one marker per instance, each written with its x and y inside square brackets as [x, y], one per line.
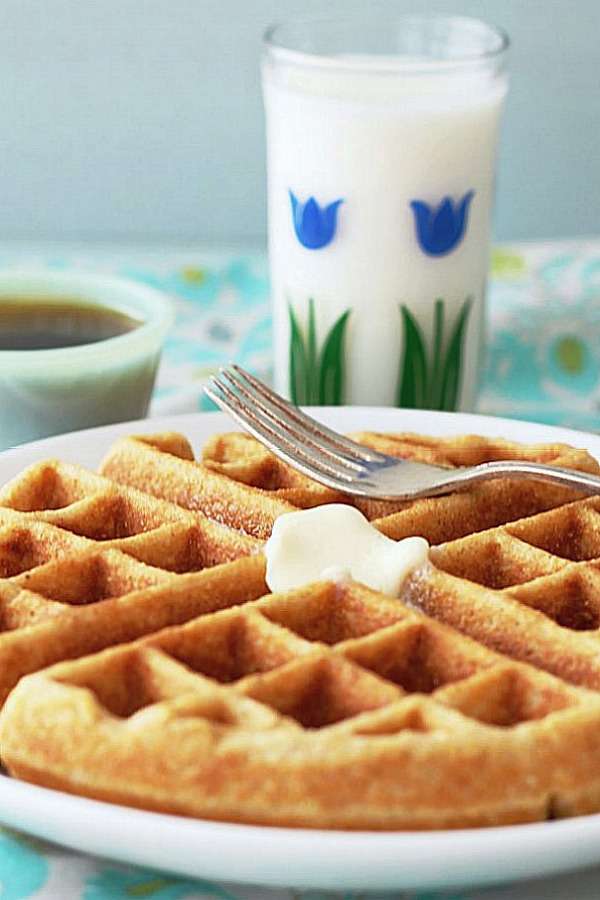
[48, 392]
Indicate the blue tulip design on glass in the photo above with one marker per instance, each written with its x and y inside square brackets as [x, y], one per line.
[441, 228]
[314, 224]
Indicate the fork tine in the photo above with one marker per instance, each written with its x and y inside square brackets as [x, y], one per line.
[288, 448]
[282, 420]
[320, 435]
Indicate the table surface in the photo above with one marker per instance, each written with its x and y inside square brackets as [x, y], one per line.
[542, 364]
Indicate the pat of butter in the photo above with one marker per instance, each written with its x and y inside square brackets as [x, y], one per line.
[336, 541]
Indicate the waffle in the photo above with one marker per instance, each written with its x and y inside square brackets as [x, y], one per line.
[329, 708]
[530, 589]
[160, 673]
[86, 564]
[239, 483]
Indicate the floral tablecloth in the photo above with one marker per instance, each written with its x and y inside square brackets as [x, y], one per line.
[542, 364]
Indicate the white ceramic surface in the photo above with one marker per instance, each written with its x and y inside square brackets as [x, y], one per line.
[293, 857]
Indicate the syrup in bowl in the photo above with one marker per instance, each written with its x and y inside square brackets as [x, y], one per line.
[31, 323]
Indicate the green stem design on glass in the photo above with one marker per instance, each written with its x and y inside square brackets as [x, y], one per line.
[432, 383]
[317, 378]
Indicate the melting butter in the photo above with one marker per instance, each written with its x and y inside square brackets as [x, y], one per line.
[337, 542]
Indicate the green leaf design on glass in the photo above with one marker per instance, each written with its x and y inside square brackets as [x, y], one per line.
[331, 364]
[413, 375]
[299, 363]
[450, 384]
[432, 382]
[317, 377]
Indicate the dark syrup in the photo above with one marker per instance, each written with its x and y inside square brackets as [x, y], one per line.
[27, 323]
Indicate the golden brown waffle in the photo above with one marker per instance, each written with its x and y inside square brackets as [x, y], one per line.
[240, 483]
[530, 589]
[86, 563]
[331, 706]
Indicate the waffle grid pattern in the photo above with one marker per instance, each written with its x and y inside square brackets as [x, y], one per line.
[240, 483]
[306, 697]
[530, 588]
[108, 561]
[177, 683]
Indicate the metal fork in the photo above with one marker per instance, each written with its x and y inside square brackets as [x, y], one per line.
[343, 464]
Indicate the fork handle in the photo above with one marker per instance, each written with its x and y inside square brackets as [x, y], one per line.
[416, 480]
[583, 481]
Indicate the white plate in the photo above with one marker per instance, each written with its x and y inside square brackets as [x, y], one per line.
[298, 858]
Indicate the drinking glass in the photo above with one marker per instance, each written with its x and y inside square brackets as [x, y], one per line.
[381, 149]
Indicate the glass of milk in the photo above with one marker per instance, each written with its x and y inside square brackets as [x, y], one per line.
[381, 149]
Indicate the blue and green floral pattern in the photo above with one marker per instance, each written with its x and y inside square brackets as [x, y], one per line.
[429, 377]
[543, 356]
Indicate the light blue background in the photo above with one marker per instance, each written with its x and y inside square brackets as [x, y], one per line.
[142, 119]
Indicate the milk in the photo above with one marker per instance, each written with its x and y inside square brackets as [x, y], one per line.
[378, 139]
